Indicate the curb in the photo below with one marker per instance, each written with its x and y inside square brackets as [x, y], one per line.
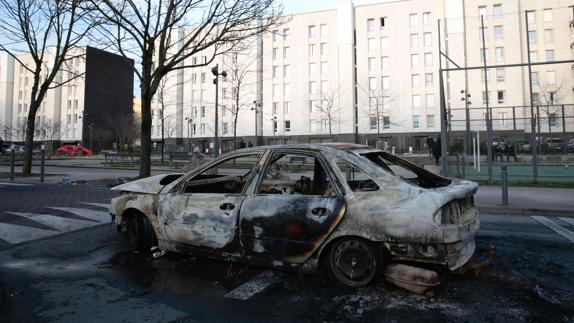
[524, 211]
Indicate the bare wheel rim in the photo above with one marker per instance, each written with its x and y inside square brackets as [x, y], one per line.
[353, 262]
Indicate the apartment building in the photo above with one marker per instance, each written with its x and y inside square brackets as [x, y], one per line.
[103, 91]
[370, 74]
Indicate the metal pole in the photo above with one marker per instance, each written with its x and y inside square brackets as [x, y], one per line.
[12, 162]
[488, 112]
[539, 147]
[443, 117]
[467, 110]
[564, 131]
[91, 127]
[463, 166]
[513, 126]
[162, 132]
[42, 157]
[533, 144]
[215, 135]
[504, 180]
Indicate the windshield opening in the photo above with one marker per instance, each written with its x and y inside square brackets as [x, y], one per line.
[407, 171]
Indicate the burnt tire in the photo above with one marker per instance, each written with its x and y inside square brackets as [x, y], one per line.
[138, 232]
[354, 262]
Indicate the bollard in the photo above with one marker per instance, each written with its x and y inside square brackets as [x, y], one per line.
[12, 162]
[504, 179]
[42, 157]
[463, 166]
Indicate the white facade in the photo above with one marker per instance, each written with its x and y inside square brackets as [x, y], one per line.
[373, 69]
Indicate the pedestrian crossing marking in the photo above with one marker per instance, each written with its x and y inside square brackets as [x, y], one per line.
[56, 222]
[102, 205]
[568, 220]
[14, 184]
[14, 233]
[100, 216]
[254, 286]
[555, 227]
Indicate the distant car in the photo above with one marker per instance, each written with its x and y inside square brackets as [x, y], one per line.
[352, 208]
[522, 145]
[570, 146]
[497, 141]
[554, 144]
[18, 149]
[73, 151]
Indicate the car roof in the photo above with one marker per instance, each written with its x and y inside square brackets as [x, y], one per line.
[314, 146]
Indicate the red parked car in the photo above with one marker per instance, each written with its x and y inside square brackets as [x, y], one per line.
[73, 151]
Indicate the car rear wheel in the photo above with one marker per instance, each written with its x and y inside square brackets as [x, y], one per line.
[354, 262]
[138, 232]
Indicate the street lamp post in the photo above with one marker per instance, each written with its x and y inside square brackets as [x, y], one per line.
[256, 110]
[91, 126]
[274, 125]
[216, 73]
[189, 121]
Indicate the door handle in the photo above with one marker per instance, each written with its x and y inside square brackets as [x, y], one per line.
[320, 211]
[227, 206]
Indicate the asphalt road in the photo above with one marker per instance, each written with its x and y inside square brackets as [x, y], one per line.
[88, 275]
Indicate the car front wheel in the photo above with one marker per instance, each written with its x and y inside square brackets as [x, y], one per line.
[138, 232]
[354, 262]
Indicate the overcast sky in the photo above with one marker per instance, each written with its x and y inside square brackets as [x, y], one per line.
[299, 6]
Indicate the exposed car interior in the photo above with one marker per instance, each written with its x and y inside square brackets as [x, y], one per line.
[406, 170]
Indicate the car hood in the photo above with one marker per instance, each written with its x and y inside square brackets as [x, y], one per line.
[148, 185]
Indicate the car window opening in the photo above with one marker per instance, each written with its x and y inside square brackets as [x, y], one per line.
[295, 174]
[227, 177]
[407, 171]
[357, 180]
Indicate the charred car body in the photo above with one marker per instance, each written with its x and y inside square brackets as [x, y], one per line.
[351, 208]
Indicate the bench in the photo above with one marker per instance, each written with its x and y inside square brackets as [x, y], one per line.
[122, 158]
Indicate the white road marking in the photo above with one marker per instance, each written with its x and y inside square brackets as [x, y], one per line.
[568, 220]
[102, 205]
[556, 227]
[14, 184]
[57, 222]
[100, 216]
[18, 233]
[252, 287]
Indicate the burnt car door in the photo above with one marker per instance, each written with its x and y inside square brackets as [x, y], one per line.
[203, 212]
[293, 208]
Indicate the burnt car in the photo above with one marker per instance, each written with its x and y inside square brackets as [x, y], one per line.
[349, 208]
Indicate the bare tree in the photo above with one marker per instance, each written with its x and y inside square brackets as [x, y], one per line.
[379, 107]
[549, 97]
[49, 32]
[163, 34]
[239, 68]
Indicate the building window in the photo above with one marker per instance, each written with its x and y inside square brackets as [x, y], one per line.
[551, 77]
[324, 31]
[225, 128]
[286, 89]
[415, 81]
[502, 118]
[547, 15]
[373, 122]
[324, 67]
[275, 53]
[533, 56]
[372, 66]
[286, 70]
[426, 18]
[430, 100]
[414, 60]
[484, 97]
[416, 121]
[534, 77]
[386, 83]
[548, 35]
[194, 78]
[531, 16]
[202, 77]
[286, 34]
[385, 63]
[497, 10]
[413, 20]
[383, 22]
[498, 32]
[311, 50]
[429, 80]
[325, 124]
[287, 125]
[532, 37]
[482, 11]
[312, 104]
[428, 59]
[500, 97]
[384, 43]
[202, 111]
[499, 51]
[275, 89]
[312, 31]
[430, 120]
[286, 107]
[285, 52]
[480, 33]
[324, 49]
[275, 107]
[202, 128]
[194, 129]
[275, 70]
[275, 34]
[428, 39]
[372, 44]
[500, 74]
[553, 119]
[324, 86]
[535, 98]
[312, 68]
[414, 40]
[370, 24]
[372, 83]
[312, 87]
[549, 55]
[483, 54]
[416, 101]
[386, 122]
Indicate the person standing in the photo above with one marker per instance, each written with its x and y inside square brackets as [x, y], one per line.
[430, 143]
[436, 149]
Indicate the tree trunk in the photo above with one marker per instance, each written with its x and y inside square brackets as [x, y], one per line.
[29, 141]
[145, 155]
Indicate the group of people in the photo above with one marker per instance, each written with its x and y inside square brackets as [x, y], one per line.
[503, 149]
[435, 148]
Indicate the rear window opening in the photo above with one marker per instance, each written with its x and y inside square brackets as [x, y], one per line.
[407, 171]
